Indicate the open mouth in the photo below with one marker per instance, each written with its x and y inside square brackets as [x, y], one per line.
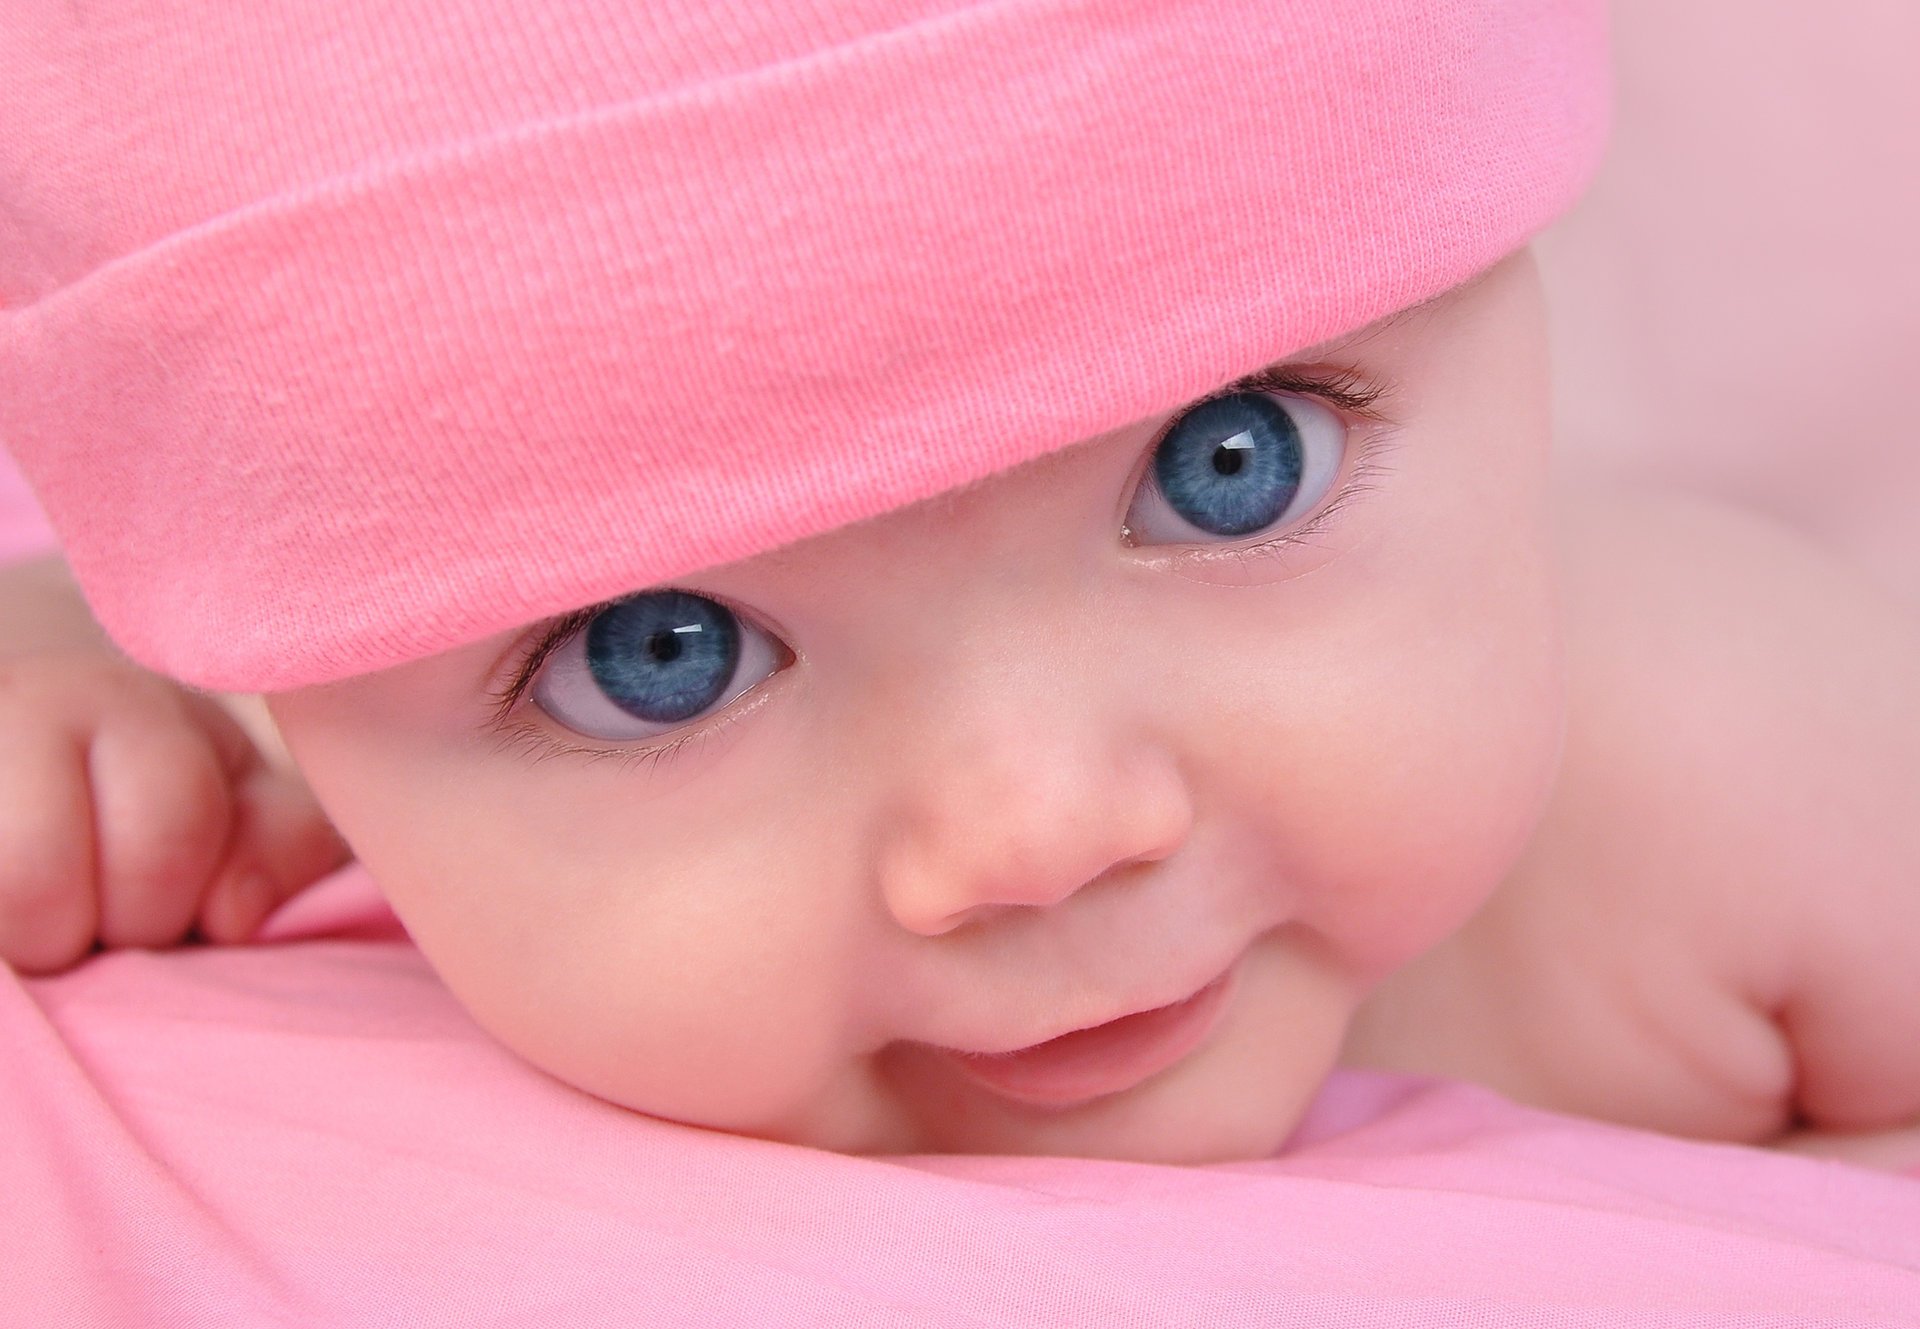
[1105, 1059]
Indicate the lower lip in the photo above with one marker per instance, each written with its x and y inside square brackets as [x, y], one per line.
[1106, 1059]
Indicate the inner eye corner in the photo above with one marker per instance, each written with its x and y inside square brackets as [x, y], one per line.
[785, 656]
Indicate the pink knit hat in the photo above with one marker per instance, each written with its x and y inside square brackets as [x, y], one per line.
[335, 333]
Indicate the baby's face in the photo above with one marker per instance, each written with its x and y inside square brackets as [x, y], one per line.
[1256, 701]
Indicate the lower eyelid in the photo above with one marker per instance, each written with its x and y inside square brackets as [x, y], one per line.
[530, 737]
[526, 739]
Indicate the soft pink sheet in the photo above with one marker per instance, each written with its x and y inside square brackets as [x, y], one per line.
[312, 1133]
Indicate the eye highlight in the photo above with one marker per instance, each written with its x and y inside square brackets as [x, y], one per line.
[1236, 465]
[1261, 455]
[644, 666]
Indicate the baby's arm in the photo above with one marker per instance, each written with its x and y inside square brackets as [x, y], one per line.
[132, 810]
[1781, 694]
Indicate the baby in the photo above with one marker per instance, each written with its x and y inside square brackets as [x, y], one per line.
[1096, 801]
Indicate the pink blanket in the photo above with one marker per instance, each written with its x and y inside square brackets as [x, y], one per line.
[310, 1132]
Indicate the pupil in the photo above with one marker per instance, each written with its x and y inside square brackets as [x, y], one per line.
[663, 656]
[1231, 465]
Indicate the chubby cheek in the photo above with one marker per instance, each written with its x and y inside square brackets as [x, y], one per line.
[681, 988]
[1462, 754]
[1412, 757]
[666, 953]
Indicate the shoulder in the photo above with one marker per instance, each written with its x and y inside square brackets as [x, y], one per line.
[1728, 668]
[1737, 598]
[1759, 693]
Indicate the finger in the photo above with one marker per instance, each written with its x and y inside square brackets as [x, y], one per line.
[162, 813]
[47, 906]
[239, 755]
[282, 843]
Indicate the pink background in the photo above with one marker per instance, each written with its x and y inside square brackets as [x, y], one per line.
[1737, 300]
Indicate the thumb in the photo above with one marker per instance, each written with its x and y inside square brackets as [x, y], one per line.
[281, 843]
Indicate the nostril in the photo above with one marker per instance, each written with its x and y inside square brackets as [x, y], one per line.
[1026, 833]
[1126, 865]
[976, 916]
[935, 914]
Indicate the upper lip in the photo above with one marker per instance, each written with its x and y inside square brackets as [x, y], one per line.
[1182, 994]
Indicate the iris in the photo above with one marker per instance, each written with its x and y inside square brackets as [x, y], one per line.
[1232, 465]
[664, 656]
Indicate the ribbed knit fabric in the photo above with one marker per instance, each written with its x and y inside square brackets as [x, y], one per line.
[335, 333]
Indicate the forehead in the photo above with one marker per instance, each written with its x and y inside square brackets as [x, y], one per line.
[1408, 319]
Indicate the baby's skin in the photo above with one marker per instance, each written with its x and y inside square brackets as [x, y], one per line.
[1400, 750]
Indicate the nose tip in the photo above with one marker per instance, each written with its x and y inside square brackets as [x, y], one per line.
[1033, 838]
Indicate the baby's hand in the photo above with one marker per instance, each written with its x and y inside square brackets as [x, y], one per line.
[134, 812]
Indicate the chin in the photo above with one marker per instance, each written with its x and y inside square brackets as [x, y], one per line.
[1239, 1099]
[1210, 1124]
[1186, 1143]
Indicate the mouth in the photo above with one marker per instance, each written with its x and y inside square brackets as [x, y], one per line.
[1104, 1059]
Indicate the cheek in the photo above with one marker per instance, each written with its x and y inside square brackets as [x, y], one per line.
[1440, 787]
[1413, 734]
[672, 954]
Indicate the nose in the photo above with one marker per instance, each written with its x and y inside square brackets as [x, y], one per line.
[1014, 813]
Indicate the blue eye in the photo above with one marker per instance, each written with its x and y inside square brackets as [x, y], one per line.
[1236, 465]
[651, 663]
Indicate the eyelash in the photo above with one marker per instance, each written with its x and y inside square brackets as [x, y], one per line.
[1344, 388]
